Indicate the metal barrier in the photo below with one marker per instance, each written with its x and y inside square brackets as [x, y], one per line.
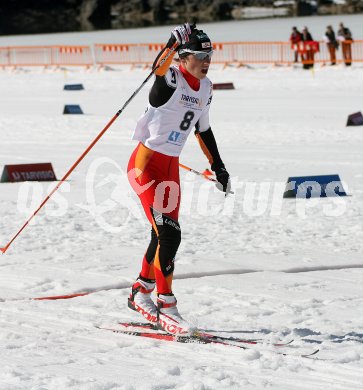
[4, 56]
[46, 56]
[239, 53]
[72, 55]
[131, 54]
[242, 53]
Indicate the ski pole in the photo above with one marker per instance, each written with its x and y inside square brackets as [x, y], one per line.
[64, 178]
[198, 173]
[204, 175]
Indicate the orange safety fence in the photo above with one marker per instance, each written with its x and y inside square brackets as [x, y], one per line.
[239, 53]
[143, 53]
[46, 56]
[242, 53]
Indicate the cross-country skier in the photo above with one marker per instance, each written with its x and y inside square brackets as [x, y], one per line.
[179, 101]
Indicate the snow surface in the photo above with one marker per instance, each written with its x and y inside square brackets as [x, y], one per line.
[274, 29]
[285, 269]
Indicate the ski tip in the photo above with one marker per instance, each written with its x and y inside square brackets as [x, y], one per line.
[283, 344]
[3, 250]
[311, 354]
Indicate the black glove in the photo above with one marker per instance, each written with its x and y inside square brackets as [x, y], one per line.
[180, 34]
[224, 183]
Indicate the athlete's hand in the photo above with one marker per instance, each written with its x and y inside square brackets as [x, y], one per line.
[224, 184]
[181, 33]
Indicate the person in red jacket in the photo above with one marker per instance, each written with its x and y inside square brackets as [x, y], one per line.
[295, 38]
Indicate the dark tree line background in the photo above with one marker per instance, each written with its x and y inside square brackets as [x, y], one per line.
[44, 16]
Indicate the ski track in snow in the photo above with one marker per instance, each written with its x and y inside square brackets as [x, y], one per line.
[59, 347]
[295, 274]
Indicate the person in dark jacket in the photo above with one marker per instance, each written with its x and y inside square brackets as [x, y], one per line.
[308, 57]
[306, 36]
[332, 44]
[346, 39]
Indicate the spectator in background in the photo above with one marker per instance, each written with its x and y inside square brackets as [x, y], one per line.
[295, 38]
[308, 56]
[332, 43]
[306, 36]
[346, 39]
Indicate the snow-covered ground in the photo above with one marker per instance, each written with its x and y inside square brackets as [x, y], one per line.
[274, 29]
[251, 262]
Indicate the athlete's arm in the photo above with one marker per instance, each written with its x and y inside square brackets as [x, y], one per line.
[209, 147]
[165, 82]
[206, 139]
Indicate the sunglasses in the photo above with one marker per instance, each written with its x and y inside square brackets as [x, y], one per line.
[199, 55]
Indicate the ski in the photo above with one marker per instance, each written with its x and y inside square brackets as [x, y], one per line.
[198, 339]
[149, 326]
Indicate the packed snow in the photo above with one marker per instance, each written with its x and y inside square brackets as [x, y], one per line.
[252, 265]
[273, 29]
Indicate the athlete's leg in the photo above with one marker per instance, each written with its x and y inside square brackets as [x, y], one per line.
[167, 227]
[140, 298]
[169, 237]
[157, 185]
[147, 270]
[155, 179]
